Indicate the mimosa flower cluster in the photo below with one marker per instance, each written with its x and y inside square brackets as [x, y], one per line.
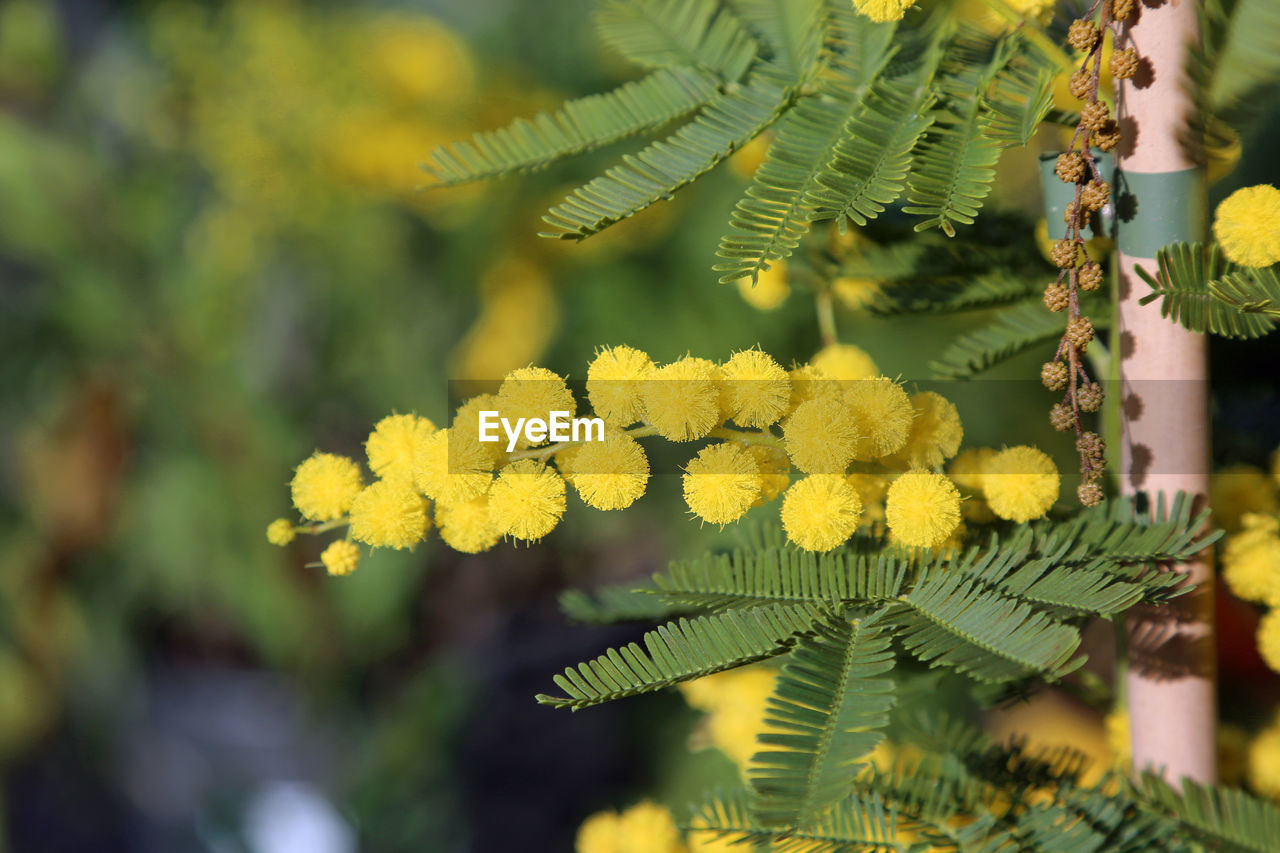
[842, 445]
[1251, 555]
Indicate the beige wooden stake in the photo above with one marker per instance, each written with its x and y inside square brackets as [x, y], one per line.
[1164, 372]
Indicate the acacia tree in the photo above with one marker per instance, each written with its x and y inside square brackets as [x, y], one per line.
[892, 119]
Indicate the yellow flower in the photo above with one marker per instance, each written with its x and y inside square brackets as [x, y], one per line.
[533, 392]
[615, 382]
[1264, 762]
[519, 314]
[389, 514]
[1251, 560]
[844, 361]
[935, 433]
[883, 413]
[774, 471]
[280, 532]
[821, 437]
[420, 59]
[1269, 639]
[453, 468]
[883, 11]
[644, 828]
[325, 485]
[341, 557]
[396, 444]
[735, 702]
[467, 526]
[756, 387]
[855, 293]
[922, 509]
[466, 429]
[1247, 226]
[1238, 489]
[721, 483]
[682, 399]
[1020, 483]
[807, 382]
[769, 290]
[821, 512]
[1119, 740]
[968, 470]
[871, 489]
[527, 500]
[748, 158]
[610, 474]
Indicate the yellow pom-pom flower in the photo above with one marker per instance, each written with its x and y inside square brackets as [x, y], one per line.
[389, 514]
[1251, 560]
[1020, 483]
[1247, 226]
[610, 474]
[281, 532]
[884, 11]
[769, 290]
[1239, 489]
[682, 400]
[325, 485]
[644, 828]
[721, 483]
[844, 362]
[935, 433]
[527, 500]
[821, 437]
[396, 444]
[615, 380]
[453, 468]
[533, 392]
[967, 470]
[774, 471]
[883, 414]
[1264, 762]
[807, 382]
[735, 702]
[1269, 639]
[856, 292]
[757, 389]
[821, 512]
[466, 429]
[922, 508]
[467, 526]
[340, 558]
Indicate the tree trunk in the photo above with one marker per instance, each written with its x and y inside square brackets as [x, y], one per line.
[1160, 199]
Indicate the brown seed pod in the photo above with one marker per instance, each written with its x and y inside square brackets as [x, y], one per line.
[1070, 167]
[1089, 397]
[1095, 195]
[1061, 417]
[1090, 493]
[1095, 116]
[1080, 332]
[1108, 137]
[1121, 9]
[1053, 374]
[1083, 35]
[1064, 253]
[1124, 63]
[1080, 84]
[1089, 276]
[1069, 214]
[1057, 297]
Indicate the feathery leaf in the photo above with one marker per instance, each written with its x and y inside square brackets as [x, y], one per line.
[662, 33]
[1182, 283]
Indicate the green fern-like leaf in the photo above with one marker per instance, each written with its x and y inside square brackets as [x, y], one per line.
[1224, 818]
[1250, 291]
[661, 169]
[944, 296]
[951, 620]
[873, 155]
[825, 716]
[1243, 58]
[791, 31]
[1014, 329]
[662, 33]
[620, 603]
[1182, 284]
[953, 170]
[859, 823]
[1021, 97]
[679, 651]
[576, 127]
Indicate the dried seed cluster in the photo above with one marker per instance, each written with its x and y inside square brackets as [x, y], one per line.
[1077, 271]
